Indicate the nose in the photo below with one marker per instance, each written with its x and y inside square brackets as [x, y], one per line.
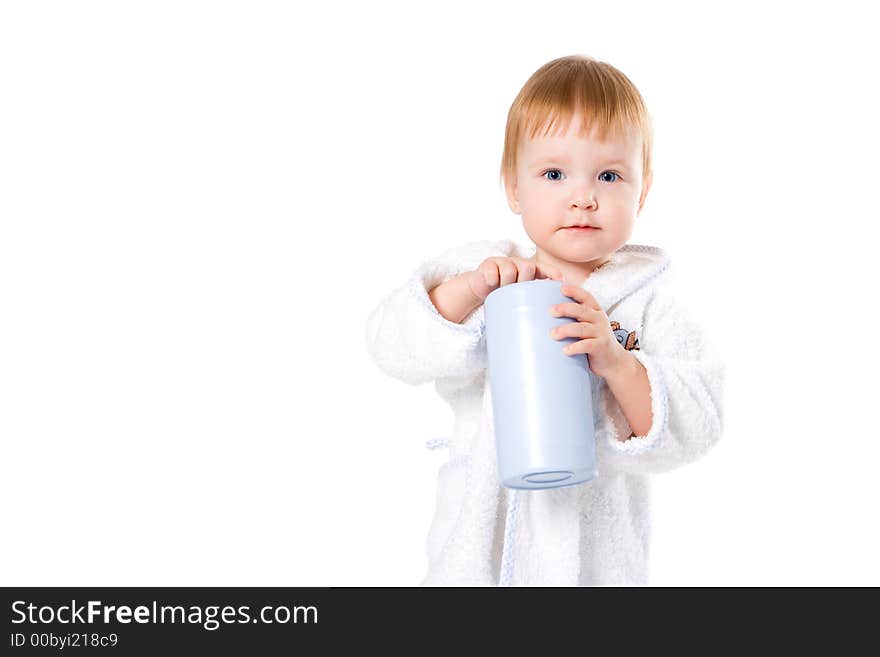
[585, 199]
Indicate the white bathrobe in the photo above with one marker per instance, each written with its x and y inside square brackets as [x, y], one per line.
[594, 533]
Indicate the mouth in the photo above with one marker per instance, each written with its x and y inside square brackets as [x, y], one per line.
[580, 229]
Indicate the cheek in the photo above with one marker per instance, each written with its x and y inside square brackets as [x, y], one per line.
[546, 203]
[540, 221]
[623, 209]
[539, 228]
[534, 226]
[621, 223]
[538, 208]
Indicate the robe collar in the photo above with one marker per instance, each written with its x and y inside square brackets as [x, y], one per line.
[628, 269]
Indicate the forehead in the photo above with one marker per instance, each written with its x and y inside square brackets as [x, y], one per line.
[622, 143]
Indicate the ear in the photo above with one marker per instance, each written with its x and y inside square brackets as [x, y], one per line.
[510, 188]
[645, 187]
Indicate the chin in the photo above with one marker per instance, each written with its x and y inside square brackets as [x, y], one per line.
[581, 252]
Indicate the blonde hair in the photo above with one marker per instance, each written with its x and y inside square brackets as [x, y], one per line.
[573, 84]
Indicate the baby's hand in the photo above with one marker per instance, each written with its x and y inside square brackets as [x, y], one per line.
[498, 271]
[592, 329]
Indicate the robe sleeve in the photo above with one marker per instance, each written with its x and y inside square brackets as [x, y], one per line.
[411, 341]
[686, 378]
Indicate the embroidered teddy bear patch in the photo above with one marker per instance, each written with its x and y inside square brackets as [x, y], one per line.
[627, 338]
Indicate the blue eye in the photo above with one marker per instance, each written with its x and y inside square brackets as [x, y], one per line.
[557, 171]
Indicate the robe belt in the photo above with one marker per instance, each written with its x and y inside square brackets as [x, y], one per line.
[507, 558]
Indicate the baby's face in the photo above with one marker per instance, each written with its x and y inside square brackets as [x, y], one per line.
[563, 180]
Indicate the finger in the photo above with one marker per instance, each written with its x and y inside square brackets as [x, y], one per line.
[548, 271]
[507, 271]
[489, 271]
[525, 269]
[573, 330]
[584, 346]
[569, 309]
[575, 310]
[580, 295]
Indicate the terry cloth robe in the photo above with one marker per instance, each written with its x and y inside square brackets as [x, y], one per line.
[594, 533]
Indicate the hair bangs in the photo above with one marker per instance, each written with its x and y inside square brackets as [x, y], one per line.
[576, 85]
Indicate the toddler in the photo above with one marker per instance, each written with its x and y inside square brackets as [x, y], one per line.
[577, 167]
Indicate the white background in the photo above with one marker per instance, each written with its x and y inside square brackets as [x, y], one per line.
[202, 202]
